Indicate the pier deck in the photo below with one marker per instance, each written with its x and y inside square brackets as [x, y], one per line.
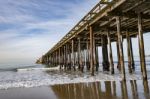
[109, 21]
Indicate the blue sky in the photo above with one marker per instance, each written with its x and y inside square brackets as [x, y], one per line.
[29, 28]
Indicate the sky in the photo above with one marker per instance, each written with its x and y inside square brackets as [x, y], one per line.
[29, 28]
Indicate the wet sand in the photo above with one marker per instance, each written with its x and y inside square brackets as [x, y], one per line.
[43, 92]
[134, 89]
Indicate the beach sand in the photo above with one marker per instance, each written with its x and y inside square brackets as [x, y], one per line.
[134, 89]
[43, 92]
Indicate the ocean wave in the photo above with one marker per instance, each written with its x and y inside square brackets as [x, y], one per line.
[35, 78]
[40, 69]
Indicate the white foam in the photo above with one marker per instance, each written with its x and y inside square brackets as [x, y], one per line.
[40, 69]
[36, 78]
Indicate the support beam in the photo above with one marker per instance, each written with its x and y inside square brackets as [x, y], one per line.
[79, 53]
[118, 55]
[97, 58]
[94, 51]
[47, 59]
[60, 58]
[129, 51]
[141, 47]
[130, 14]
[69, 56]
[118, 22]
[87, 55]
[73, 54]
[55, 58]
[91, 51]
[82, 60]
[132, 56]
[110, 53]
[65, 59]
[105, 53]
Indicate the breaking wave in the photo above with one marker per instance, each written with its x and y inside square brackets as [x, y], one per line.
[37, 69]
[33, 77]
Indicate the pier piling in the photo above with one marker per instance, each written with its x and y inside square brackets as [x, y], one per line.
[107, 22]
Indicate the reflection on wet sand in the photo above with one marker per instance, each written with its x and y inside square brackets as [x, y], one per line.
[134, 89]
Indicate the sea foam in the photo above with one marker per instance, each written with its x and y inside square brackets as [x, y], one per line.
[34, 77]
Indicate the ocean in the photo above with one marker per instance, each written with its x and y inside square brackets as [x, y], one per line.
[63, 83]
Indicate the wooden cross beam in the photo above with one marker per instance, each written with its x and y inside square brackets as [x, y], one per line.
[130, 14]
[104, 2]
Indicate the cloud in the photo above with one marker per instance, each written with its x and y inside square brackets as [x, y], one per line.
[29, 28]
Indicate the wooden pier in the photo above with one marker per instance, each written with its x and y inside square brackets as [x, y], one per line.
[109, 21]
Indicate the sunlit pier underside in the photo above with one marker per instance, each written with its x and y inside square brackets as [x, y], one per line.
[109, 21]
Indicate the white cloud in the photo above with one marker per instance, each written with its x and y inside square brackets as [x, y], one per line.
[21, 42]
[15, 46]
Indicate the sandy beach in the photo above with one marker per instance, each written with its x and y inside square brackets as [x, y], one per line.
[134, 89]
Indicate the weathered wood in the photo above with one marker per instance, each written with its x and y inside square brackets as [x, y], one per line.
[118, 22]
[73, 55]
[118, 55]
[132, 56]
[110, 54]
[55, 58]
[105, 53]
[65, 57]
[130, 14]
[60, 58]
[69, 57]
[129, 51]
[91, 51]
[79, 54]
[87, 55]
[56, 62]
[83, 58]
[141, 46]
[97, 58]
[94, 51]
